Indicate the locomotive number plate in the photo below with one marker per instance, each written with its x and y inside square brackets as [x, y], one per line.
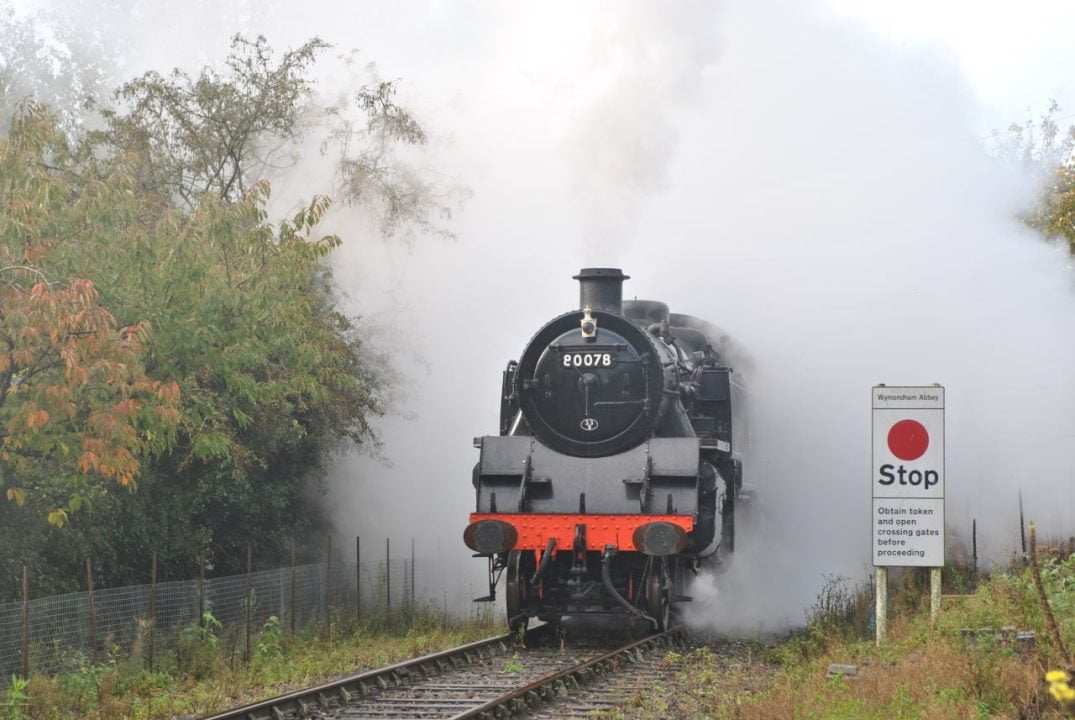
[588, 359]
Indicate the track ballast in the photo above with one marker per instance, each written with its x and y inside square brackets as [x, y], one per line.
[492, 678]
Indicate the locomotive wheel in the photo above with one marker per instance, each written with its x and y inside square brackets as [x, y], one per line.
[515, 590]
[659, 593]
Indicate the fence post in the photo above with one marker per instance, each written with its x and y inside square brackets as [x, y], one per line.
[974, 549]
[152, 609]
[328, 586]
[201, 592]
[1022, 527]
[387, 574]
[292, 589]
[1043, 597]
[25, 623]
[412, 572]
[93, 612]
[358, 577]
[249, 558]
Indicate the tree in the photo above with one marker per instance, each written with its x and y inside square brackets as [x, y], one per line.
[214, 133]
[1041, 144]
[264, 375]
[272, 377]
[1055, 216]
[76, 406]
[55, 61]
[221, 132]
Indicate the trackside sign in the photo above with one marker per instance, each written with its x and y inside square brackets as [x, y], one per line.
[907, 476]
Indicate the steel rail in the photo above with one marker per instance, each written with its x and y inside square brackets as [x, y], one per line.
[302, 703]
[559, 684]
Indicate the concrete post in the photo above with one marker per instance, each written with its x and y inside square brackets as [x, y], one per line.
[881, 610]
[934, 594]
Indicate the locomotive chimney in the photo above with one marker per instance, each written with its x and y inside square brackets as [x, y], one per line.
[601, 289]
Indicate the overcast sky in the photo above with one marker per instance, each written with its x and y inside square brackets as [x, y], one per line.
[1015, 55]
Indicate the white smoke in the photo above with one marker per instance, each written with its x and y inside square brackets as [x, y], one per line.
[859, 234]
[767, 166]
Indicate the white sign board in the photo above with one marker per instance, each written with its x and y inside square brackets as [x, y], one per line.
[907, 476]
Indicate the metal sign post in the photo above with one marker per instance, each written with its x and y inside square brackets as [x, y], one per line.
[907, 481]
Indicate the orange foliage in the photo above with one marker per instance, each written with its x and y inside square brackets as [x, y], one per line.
[37, 418]
[65, 360]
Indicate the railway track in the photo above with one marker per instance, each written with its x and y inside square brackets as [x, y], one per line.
[487, 679]
[647, 671]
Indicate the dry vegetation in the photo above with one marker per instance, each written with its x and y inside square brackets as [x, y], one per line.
[969, 666]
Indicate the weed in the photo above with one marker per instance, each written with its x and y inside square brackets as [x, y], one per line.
[842, 608]
[200, 681]
[520, 635]
[513, 665]
[671, 658]
[269, 642]
[16, 699]
[197, 647]
[84, 680]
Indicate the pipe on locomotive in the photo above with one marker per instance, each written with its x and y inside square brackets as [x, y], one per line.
[601, 289]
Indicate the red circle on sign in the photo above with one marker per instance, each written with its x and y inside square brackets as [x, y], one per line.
[908, 440]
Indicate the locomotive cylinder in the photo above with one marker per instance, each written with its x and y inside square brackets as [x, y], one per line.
[601, 289]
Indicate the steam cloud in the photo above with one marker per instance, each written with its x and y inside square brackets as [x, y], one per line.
[765, 166]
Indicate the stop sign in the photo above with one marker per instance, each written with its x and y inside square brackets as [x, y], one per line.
[907, 476]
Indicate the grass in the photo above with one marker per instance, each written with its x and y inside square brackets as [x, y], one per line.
[202, 678]
[924, 672]
[966, 666]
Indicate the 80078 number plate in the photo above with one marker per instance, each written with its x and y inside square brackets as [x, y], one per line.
[588, 359]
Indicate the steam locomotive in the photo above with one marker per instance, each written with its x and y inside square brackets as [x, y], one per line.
[618, 465]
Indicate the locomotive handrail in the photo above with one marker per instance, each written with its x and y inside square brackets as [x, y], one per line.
[522, 483]
[643, 492]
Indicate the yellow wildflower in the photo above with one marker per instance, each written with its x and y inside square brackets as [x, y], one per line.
[1055, 676]
[1062, 692]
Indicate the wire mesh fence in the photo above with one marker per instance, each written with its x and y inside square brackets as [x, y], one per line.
[146, 623]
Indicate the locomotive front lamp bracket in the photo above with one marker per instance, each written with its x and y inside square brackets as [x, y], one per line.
[588, 324]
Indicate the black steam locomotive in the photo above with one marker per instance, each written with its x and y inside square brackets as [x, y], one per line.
[617, 468]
